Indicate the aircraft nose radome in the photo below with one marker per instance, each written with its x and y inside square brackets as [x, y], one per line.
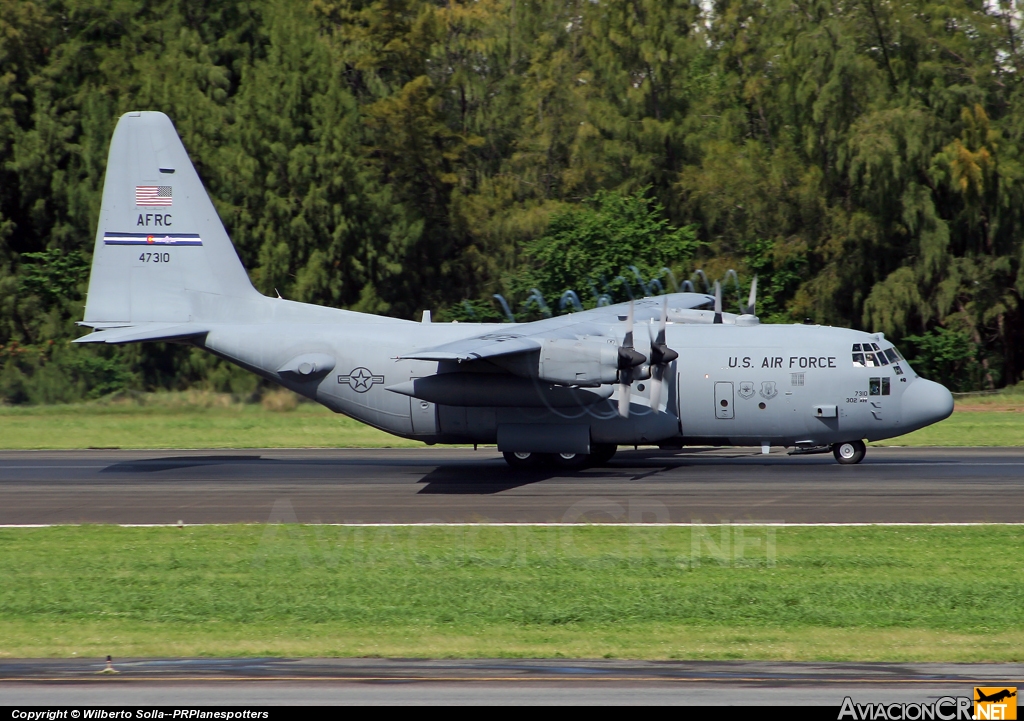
[925, 402]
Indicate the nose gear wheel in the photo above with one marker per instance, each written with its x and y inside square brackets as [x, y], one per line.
[849, 452]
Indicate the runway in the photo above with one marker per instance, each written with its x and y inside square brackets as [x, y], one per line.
[192, 682]
[894, 485]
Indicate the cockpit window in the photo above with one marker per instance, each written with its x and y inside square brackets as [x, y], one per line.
[869, 355]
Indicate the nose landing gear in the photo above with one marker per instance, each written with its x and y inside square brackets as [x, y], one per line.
[849, 452]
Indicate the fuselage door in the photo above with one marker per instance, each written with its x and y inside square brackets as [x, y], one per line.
[723, 399]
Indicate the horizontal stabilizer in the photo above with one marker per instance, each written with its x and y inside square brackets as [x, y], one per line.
[147, 332]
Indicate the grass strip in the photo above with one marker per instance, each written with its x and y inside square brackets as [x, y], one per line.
[181, 422]
[910, 593]
[204, 420]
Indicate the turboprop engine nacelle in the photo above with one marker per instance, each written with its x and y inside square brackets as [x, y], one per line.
[578, 362]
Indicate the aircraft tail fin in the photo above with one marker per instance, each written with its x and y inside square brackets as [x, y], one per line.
[161, 253]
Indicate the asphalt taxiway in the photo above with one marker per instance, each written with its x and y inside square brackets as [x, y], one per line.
[892, 485]
[193, 682]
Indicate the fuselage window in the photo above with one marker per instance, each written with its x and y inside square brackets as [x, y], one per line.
[875, 386]
[858, 360]
[885, 386]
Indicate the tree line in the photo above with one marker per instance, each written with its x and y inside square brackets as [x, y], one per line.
[390, 156]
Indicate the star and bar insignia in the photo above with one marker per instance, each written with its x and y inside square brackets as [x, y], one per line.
[360, 380]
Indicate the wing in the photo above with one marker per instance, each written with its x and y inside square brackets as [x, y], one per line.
[489, 345]
[527, 337]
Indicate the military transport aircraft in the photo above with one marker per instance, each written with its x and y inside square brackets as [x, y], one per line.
[568, 390]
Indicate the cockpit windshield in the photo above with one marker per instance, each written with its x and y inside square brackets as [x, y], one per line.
[870, 355]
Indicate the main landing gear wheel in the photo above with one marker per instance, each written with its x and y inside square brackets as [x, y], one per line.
[849, 453]
[521, 460]
[569, 461]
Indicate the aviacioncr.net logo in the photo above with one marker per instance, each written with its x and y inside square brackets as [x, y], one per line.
[947, 708]
[995, 702]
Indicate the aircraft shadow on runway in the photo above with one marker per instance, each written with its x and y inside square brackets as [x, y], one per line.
[470, 477]
[154, 465]
[477, 479]
[474, 478]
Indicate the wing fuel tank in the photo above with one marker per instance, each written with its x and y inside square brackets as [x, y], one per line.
[482, 390]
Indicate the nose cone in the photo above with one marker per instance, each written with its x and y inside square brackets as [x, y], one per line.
[924, 403]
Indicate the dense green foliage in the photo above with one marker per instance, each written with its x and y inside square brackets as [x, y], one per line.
[865, 159]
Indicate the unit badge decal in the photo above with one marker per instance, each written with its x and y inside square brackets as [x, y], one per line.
[768, 390]
[746, 390]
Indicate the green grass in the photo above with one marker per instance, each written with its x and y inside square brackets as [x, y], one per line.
[205, 420]
[866, 593]
[187, 420]
[968, 428]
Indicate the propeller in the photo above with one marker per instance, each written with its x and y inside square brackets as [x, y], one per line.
[628, 360]
[661, 356]
[748, 309]
[718, 303]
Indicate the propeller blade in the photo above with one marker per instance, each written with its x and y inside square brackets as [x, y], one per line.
[718, 303]
[661, 324]
[625, 390]
[661, 356]
[627, 341]
[657, 374]
[629, 358]
[752, 301]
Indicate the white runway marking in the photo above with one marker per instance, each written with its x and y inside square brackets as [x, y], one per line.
[512, 525]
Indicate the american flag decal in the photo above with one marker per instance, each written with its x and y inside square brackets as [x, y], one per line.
[153, 195]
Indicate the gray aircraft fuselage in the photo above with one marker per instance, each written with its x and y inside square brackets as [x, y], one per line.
[776, 381]
[164, 269]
